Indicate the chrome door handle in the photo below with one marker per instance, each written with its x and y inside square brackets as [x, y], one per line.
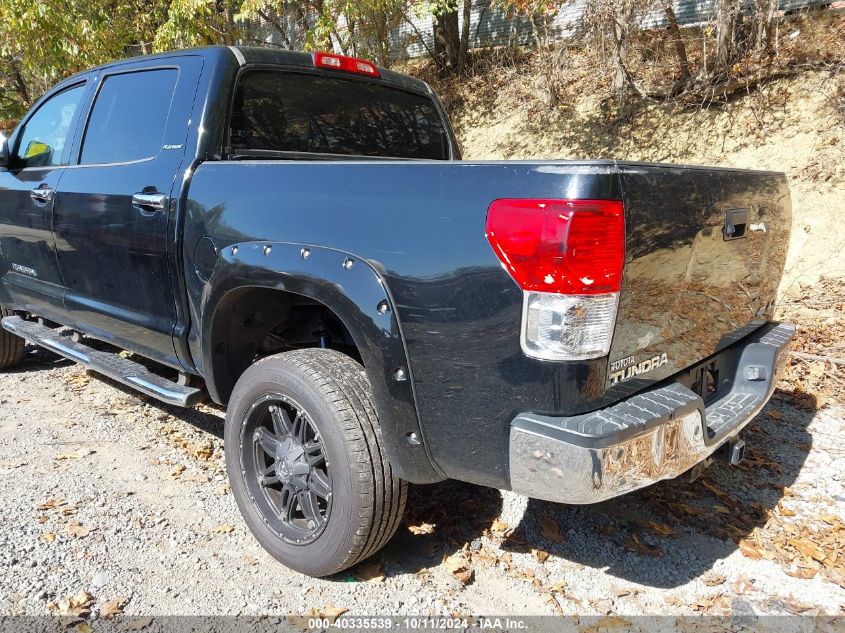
[147, 201]
[42, 194]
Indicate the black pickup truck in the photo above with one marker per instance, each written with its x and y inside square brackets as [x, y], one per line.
[295, 236]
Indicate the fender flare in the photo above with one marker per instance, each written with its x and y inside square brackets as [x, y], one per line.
[350, 287]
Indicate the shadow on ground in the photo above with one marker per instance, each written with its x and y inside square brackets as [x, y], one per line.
[662, 536]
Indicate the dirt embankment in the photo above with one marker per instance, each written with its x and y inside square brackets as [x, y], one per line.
[795, 125]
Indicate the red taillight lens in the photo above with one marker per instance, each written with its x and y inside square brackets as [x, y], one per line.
[348, 64]
[560, 246]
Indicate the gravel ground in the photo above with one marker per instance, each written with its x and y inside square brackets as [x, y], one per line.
[126, 500]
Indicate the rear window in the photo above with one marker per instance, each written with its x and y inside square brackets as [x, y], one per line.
[295, 112]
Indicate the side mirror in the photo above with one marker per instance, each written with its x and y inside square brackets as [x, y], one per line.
[4, 151]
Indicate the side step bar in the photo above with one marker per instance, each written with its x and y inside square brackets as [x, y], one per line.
[109, 364]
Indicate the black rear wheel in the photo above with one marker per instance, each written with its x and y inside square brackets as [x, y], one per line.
[11, 346]
[306, 461]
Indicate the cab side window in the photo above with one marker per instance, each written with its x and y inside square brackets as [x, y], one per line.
[129, 117]
[44, 135]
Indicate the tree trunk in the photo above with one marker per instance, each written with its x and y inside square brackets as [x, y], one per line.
[620, 49]
[276, 24]
[765, 26]
[20, 84]
[677, 40]
[726, 22]
[467, 16]
[446, 31]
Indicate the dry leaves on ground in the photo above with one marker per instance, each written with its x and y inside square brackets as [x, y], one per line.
[77, 605]
[803, 546]
[370, 572]
[77, 530]
[112, 607]
[421, 529]
[550, 529]
[460, 567]
[332, 613]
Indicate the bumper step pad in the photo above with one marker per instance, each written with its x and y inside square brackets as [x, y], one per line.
[656, 434]
[109, 364]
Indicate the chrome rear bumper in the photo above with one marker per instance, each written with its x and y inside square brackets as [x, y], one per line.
[654, 435]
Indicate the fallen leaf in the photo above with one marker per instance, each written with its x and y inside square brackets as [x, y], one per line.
[540, 555]
[459, 566]
[63, 456]
[805, 573]
[794, 606]
[742, 585]
[784, 511]
[550, 529]
[808, 549]
[332, 613]
[499, 527]
[224, 529]
[661, 528]
[711, 580]
[620, 592]
[203, 452]
[633, 543]
[422, 528]
[177, 471]
[370, 572]
[77, 605]
[77, 530]
[113, 607]
[775, 414]
[83, 627]
[139, 623]
[51, 503]
[750, 551]
[48, 537]
[464, 576]
[559, 586]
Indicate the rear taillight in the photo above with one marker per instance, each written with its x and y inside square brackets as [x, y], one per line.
[348, 64]
[567, 256]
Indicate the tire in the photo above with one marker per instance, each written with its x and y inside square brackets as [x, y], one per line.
[337, 417]
[11, 346]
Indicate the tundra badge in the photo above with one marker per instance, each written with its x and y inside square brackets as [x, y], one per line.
[24, 270]
[625, 368]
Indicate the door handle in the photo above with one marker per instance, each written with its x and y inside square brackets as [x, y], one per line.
[149, 201]
[42, 194]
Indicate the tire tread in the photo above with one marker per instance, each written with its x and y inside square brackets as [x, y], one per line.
[11, 346]
[343, 384]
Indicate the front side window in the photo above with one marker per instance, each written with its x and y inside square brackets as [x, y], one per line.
[129, 117]
[315, 114]
[44, 135]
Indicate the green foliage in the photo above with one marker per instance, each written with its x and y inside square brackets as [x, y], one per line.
[198, 23]
[42, 41]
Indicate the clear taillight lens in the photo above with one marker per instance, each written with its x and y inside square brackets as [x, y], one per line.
[567, 327]
[568, 256]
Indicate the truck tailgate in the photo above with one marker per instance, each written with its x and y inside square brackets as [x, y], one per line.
[705, 253]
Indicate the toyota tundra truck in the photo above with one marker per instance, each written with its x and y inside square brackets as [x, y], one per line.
[295, 236]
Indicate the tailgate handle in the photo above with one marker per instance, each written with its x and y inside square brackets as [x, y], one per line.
[735, 222]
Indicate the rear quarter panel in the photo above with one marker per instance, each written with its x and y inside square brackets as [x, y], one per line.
[421, 226]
